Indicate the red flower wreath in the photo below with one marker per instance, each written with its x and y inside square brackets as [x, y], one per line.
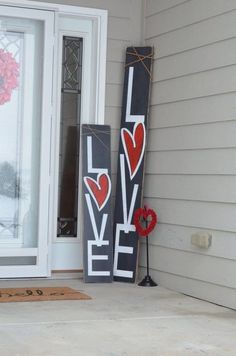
[144, 214]
[9, 73]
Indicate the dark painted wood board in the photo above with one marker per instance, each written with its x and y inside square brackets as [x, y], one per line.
[97, 215]
[130, 171]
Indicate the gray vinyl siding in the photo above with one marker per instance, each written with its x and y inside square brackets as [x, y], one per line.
[191, 155]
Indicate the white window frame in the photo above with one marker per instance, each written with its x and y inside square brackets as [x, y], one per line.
[94, 112]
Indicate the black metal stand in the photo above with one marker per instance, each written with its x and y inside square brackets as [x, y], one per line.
[147, 280]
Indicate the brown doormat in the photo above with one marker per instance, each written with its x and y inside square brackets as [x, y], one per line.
[40, 294]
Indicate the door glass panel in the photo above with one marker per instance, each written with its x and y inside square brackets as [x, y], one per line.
[69, 136]
[21, 67]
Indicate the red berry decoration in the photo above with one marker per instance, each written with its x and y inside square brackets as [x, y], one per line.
[149, 217]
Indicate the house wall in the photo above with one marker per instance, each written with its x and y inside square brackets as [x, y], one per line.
[191, 165]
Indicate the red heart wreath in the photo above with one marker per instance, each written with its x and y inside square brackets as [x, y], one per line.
[145, 213]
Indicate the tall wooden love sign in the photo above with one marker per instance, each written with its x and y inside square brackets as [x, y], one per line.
[97, 241]
[131, 160]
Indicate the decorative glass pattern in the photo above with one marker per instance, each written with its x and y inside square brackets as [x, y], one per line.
[11, 42]
[72, 64]
[69, 136]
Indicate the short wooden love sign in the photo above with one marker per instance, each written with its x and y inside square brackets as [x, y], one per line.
[97, 234]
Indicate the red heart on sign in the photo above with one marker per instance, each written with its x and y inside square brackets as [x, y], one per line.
[150, 223]
[134, 145]
[99, 189]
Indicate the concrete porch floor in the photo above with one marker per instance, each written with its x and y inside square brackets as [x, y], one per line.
[121, 319]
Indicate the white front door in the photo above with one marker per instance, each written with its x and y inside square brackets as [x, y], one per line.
[26, 53]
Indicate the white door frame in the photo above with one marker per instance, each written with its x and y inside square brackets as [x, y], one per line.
[93, 105]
